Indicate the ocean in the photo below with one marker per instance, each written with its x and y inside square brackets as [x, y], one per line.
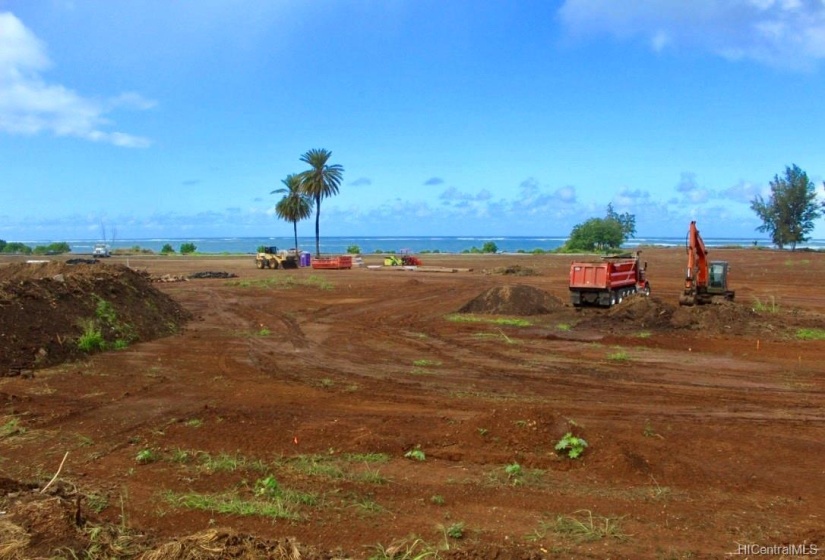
[395, 244]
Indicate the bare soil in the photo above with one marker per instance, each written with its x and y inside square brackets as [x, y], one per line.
[310, 389]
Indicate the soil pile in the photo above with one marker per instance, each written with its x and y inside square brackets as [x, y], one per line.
[45, 309]
[724, 317]
[641, 311]
[513, 300]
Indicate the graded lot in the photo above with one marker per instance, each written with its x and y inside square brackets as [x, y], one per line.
[358, 414]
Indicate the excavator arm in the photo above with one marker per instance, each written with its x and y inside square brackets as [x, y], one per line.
[704, 280]
[697, 269]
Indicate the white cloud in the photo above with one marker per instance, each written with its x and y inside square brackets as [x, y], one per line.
[788, 33]
[29, 105]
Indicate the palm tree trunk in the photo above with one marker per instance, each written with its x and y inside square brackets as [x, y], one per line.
[317, 227]
[295, 228]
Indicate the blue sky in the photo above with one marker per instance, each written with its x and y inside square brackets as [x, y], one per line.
[153, 118]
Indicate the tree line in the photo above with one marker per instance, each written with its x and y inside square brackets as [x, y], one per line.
[788, 215]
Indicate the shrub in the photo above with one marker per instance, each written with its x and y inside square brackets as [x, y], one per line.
[489, 247]
[354, 250]
[91, 339]
[572, 445]
[166, 249]
[187, 248]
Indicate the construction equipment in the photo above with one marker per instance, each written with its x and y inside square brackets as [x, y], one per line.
[101, 250]
[271, 257]
[608, 281]
[403, 260]
[705, 281]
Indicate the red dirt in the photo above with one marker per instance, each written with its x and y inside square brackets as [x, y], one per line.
[705, 425]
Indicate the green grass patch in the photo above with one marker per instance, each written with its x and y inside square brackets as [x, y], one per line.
[426, 363]
[92, 338]
[11, 428]
[564, 327]
[279, 507]
[810, 334]
[769, 306]
[581, 526]
[618, 356]
[283, 282]
[470, 318]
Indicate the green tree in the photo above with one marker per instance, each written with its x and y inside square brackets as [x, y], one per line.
[2, 245]
[626, 220]
[187, 248]
[295, 204]
[166, 249]
[789, 212]
[320, 181]
[602, 234]
[596, 234]
[489, 247]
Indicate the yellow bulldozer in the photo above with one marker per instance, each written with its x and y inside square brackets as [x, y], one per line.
[271, 257]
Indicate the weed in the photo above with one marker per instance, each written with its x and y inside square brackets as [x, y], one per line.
[371, 476]
[180, 456]
[644, 334]
[618, 356]
[97, 502]
[194, 422]
[146, 456]
[367, 505]
[267, 487]
[326, 383]
[810, 334]
[483, 431]
[281, 507]
[469, 318]
[92, 338]
[404, 550]
[105, 312]
[426, 363]
[367, 457]
[658, 492]
[768, 307]
[416, 454]
[437, 500]
[514, 473]
[11, 428]
[581, 526]
[316, 465]
[563, 327]
[572, 445]
[221, 463]
[454, 531]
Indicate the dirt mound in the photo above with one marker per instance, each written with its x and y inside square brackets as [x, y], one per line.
[513, 300]
[643, 312]
[724, 317]
[47, 308]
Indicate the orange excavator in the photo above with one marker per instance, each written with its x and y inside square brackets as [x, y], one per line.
[706, 281]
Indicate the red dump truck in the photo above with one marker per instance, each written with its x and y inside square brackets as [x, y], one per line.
[608, 281]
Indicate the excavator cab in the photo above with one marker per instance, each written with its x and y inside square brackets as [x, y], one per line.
[717, 277]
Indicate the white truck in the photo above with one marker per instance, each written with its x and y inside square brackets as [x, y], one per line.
[101, 250]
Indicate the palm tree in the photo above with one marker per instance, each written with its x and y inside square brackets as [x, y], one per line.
[319, 182]
[295, 205]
